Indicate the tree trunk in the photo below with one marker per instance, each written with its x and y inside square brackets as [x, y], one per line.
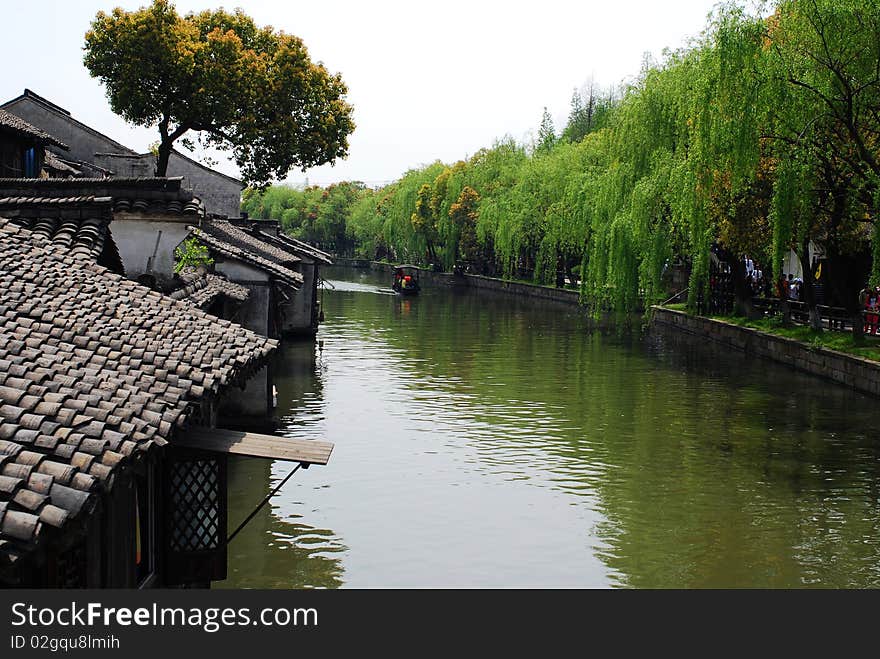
[167, 143]
[163, 158]
[808, 291]
[560, 271]
[742, 292]
[569, 270]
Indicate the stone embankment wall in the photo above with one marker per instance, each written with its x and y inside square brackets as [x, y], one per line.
[855, 372]
[473, 281]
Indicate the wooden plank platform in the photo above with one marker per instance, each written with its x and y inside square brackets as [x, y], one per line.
[306, 451]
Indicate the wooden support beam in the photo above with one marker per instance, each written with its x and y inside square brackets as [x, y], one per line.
[236, 442]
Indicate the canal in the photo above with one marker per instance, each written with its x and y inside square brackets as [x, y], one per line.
[485, 441]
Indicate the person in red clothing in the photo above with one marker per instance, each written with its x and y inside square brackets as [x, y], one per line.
[872, 300]
[875, 317]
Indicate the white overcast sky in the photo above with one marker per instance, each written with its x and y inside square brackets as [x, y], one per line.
[428, 80]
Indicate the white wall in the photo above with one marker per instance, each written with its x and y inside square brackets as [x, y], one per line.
[136, 237]
[298, 313]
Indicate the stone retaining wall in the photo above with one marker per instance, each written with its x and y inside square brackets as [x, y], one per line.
[855, 372]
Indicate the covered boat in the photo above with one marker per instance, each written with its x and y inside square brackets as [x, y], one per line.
[406, 280]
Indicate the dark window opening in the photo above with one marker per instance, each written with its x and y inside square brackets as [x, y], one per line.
[147, 280]
[70, 567]
[217, 307]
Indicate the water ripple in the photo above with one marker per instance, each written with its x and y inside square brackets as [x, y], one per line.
[486, 442]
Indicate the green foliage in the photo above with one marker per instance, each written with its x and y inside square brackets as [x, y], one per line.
[760, 136]
[191, 254]
[546, 133]
[875, 245]
[316, 215]
[590, 111]
[463, 216]
[424, 220]
[242, 88]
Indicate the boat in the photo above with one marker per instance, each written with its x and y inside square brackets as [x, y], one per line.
[406, 280]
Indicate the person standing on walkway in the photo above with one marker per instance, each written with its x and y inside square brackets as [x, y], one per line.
[871, 318]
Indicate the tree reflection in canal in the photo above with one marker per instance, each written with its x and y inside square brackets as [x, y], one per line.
[488, 442]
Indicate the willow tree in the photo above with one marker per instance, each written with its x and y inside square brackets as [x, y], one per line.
[463, 215]
[732, 172]
[823, 114]
[554, 198]
[365, 224]
[639, 191]
[403, 201]
[238, 87]
[493, 173]
[424, 221]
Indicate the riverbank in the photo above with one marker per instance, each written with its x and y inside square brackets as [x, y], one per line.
[546, 293]
[853, 371]
[611, 447]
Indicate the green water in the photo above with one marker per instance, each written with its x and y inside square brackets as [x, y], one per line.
[481, 441]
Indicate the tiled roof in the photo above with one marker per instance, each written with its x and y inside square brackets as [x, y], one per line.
[124, 187]
[202, 288]
[58, 165]
[245, 250]
[19, 126]
[249, 240]
[159, 206]
[79, 224]
[270, 231]
[300, 248]
[151, 195]
[95, 371]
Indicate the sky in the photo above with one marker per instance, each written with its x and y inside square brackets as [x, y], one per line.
[428, 80]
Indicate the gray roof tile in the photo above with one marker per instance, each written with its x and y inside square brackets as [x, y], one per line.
[79, 394]
[223, 238]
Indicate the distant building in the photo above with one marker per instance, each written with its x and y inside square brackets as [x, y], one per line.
[269, 275]
[301, 315]
[94, 154]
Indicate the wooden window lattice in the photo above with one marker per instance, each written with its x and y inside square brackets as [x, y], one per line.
[195, 505]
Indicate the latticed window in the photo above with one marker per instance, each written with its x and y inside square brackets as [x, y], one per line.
[195, 509]
[195, 516]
